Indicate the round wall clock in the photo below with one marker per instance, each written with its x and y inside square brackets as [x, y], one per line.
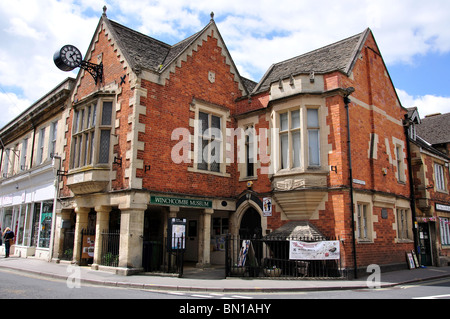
[68, 58]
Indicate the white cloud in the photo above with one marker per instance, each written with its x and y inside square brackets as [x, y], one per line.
[427, 104]
[257, 33]
[11, 106]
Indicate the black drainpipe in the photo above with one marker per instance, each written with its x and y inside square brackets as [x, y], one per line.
[347, 101]
[411, 189]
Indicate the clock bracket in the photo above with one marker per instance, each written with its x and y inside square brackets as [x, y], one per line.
[96, 70]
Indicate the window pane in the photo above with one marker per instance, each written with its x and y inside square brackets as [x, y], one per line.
[296, 149]
[106, 113]
[313, 142]
[215, 122]
[75, 122]
[284, 151]
[295, 119]
[284, 122]
[94, 115]
[85, 148]
[202, 153]
[103, 156]
[313, 118]
[91, 148]
[45, 224]
[204, 125]
[74, 151]
[88, 119]
[215, 156]
[82, 120]
[79, 150]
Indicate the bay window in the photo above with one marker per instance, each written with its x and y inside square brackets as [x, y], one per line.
[299, 138]
[91, 134]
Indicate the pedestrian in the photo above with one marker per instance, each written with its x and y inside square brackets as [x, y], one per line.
[8, 235]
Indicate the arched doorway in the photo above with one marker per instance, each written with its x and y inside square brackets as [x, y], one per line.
[250, 226]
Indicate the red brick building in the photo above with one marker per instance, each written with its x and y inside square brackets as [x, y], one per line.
[430, 148]
[175, 131]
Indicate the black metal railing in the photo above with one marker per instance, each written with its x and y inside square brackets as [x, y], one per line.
[110, 248]
[164, 256]
[270, 257]
[67, 249]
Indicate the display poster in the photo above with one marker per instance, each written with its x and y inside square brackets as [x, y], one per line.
[243, 252]
[176, 233]
[267, 206]
[322, 250]
[179, 233]
[88, 246]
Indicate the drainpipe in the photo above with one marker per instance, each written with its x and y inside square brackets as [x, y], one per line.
[348, 92]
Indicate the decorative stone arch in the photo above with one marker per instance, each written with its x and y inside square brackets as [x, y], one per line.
[236, 218]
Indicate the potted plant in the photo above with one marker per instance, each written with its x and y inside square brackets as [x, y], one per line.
[237, 270]
[272, 271]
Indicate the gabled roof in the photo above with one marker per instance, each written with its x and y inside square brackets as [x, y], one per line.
[435, 129]
[339, 56]
[141, 51]
[144, 52]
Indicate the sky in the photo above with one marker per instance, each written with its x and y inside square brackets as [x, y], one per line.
[413, 36]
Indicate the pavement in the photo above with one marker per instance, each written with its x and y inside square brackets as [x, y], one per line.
[212, 279]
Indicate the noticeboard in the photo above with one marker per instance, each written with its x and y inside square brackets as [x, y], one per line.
[176, 234]
[88, 246]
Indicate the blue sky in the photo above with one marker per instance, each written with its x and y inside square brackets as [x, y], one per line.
[414, 38]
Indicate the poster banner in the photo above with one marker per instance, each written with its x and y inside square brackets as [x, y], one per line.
[322, 250]
[267, 206]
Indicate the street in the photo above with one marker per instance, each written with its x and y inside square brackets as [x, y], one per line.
[20, 285]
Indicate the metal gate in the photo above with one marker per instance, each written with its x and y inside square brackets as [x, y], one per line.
[68, 243]
[270, 258]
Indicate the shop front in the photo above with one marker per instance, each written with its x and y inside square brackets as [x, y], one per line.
[27, 207]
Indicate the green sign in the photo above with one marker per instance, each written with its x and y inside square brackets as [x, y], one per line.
[172, 201]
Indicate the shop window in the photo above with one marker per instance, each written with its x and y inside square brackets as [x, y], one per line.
[21, 225]
[45, 224]
[220, 226]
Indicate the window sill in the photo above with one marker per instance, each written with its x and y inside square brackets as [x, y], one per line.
[364, 241]
[404, 241]
[201, 171]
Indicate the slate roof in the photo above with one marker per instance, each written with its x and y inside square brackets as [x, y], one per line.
[140, 50]
[435, 129]
[339, 56]
[144, 52]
